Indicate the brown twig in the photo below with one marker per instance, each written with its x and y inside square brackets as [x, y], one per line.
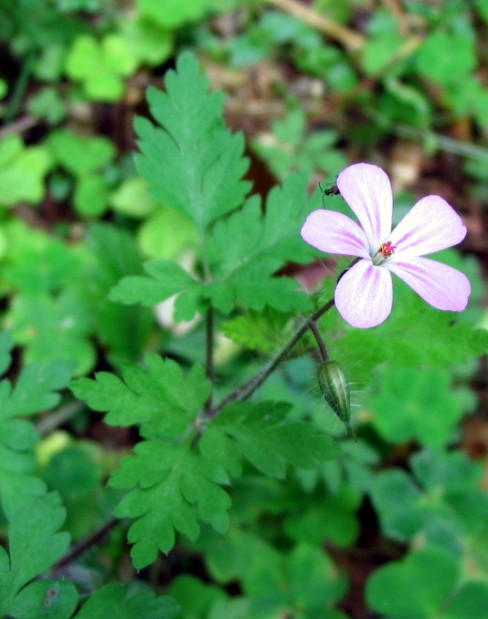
[82, 546]
[349, 38]
[19, 126]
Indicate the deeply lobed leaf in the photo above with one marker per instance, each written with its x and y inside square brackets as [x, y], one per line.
[172, 489]
[192, 163]
[159, 397]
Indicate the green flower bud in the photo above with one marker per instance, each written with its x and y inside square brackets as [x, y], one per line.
[335, 390]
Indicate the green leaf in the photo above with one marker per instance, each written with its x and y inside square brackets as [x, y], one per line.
[124, 330]
[446, 58]
[91, 196]
[313, 580]
[266, 438]
[54, 328]
[147, 42]
[49, 105]
[385, 40]
[248, 248]
[34, 391]
[173, 13]
[132, 198]
[50, 599]
[167, 234]
[289, 148]
[159, 397]
[193, 163]
[34, 541]
[429, 576]
[173, 489]
[89, 62]
[262, 331]
[416, 335]
[168, 279]
[80, 155]
[125, 602]
[469, 601]
[195, 597]
[332, 520]
[409, 404]
[22, 171]
[444, 502]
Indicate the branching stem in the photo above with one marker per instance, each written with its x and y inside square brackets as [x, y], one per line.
[247, 389]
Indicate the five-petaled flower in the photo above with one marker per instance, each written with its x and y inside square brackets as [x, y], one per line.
[363, 294]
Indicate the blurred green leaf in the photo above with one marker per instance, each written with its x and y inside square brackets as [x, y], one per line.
[126, 602]
[429, 576]
[146, 41]
[446, 58]
[195, 597]
[54, 327]
[91, 196]
[78, 154]
[289, 147]
[93, 65]
[174, 13]
[132, 198]
[167, 234]
[409, 404]
[48, 105]
[444, 502]
[124, 330]
[22, 171]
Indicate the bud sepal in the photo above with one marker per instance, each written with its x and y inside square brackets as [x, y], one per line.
[335, 390]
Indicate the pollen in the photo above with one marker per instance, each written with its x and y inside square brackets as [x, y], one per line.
[386, 249]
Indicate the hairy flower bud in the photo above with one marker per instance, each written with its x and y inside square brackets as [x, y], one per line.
[335, 390]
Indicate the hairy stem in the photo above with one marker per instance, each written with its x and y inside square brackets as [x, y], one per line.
[248, 388]
[324, 355]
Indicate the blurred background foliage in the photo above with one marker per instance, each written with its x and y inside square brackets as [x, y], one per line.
[398, 526]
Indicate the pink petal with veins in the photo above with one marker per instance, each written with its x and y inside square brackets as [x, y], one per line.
[440, 285]
[431, 225]
[367, 190]
[335, 233]
[364, 295]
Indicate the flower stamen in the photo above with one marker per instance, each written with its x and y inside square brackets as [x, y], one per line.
[387, 249]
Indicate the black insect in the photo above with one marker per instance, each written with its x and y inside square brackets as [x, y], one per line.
[331, 190]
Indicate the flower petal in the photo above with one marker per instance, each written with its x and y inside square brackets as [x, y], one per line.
[442, 286]
[364, 295]
[367, 190]
[431, 225]
[334, 233]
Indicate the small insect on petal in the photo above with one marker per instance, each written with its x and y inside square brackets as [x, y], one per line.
[331, 190]
[335, 390]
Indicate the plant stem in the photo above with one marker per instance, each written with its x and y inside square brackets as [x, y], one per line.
[20, 88]
[82, 546]
[320, 342]
[248, 388]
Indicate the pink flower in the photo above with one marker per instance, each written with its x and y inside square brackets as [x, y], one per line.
[364, 293]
